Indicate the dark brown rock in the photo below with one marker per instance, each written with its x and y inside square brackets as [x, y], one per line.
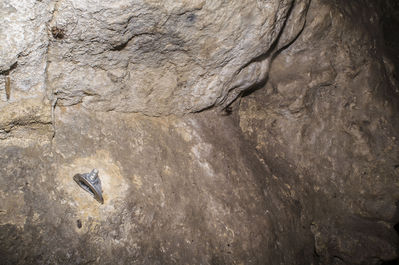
[328, 115]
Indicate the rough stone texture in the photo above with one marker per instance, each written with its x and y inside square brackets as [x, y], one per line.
[23, 48]
[176, 190]
[328, 118]
[153, 57]
[162, 57]
[304, 171]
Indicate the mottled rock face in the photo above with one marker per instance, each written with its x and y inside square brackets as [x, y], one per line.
[23, 49]
[328, 114]
[161, 57]
[153, 57]
[170, 195]
[300, 170]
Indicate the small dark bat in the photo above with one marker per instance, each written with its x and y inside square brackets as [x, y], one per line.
[57, 33]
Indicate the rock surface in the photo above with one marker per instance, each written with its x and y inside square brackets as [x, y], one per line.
[23, 49]
[161, 57]
[177, 190]
[152, 57]
[303, 171]
[171, 196]
[326, 122]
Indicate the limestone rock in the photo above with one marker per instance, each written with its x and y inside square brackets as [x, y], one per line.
[23, 48]
[301, 168]
[328, 116]
[176, 190]
[161, 57]
[151, 57]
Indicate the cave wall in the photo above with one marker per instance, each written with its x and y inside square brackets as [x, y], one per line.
[152, 57]
[246, 132]
[326, 122]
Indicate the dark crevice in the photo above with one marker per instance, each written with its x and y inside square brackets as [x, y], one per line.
[316, 256]
[12, 67]
[390, 262]
[339, 258]
[396, 227]
[396, 218]
[120, 47]
[390, 25]
[255, 87]
[271, 52]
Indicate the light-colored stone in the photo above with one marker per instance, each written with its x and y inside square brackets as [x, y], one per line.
[23, 48]
[153, 57]
[161, 57]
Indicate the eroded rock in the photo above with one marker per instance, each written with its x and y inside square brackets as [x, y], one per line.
[303, 171]
[328, 113]
[172, 194]
[161, 57]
